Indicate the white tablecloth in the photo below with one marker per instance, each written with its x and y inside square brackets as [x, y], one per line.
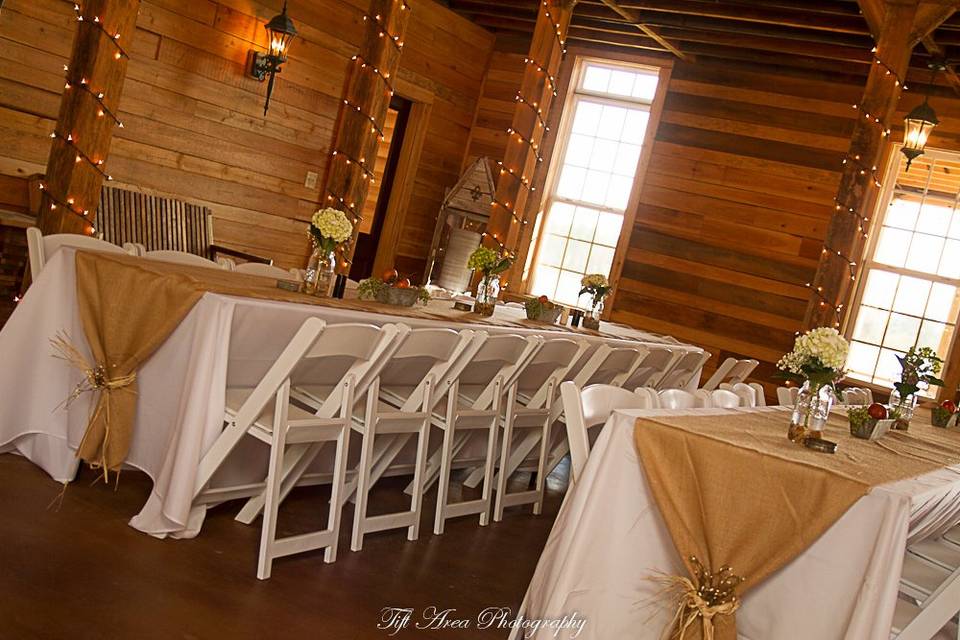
[223, 341]
[609, 539]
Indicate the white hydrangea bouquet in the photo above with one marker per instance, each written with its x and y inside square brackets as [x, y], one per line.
[596, 285]
[330, 227]
[819, 356]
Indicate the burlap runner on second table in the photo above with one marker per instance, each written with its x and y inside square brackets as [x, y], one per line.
[735, 492]
[129, 306]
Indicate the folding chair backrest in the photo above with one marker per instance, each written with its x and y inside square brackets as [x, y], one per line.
[610, 365]
[499, 357]
[747, 393]
[424, 355]
[731, 371]
[549, 365]
[341, 350]
[41, 248]
[587, 408]
[857, 395]
[686, 367]
[727, 399]
[787, 396]
[180, 257]
[653, 367]
[680, 399]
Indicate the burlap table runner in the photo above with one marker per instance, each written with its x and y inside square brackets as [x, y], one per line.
[734, 492]
[129, 306]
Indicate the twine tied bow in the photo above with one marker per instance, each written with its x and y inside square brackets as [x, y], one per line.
[705, 597]
[96, 378]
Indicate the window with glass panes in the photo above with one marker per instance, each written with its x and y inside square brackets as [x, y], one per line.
[600, 145]
[909, 295]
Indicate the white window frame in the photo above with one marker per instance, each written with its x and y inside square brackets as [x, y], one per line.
[575, 94]
[867, 263]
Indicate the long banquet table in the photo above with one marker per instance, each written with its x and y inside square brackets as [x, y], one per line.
[223, 340]
[610, 539]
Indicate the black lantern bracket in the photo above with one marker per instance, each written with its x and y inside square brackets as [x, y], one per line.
[265, 66]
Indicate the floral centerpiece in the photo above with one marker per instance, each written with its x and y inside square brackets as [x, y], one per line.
[919, 369]
[490, 264]
[392, 289]
[817, 361]
[542, 309]
[941, 416]
[598, 287]
[329, 228]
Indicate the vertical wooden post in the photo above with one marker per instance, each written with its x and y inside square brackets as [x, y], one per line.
[76, 167]
[363, 112]
[527, 130]
[846, 235]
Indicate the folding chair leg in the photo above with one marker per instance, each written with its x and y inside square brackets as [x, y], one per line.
[363, 489]
[488, 470]
[416, 503]
[503, 476]
[336, 492]
[268, 530]
[443, 485]
[542, 468]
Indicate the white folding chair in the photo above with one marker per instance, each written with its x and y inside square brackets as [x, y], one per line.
[652, 367]
[688, 366]
[40, 248]
[759, 393]
[590, 407]
[182, 257]
[746, 392]
[731, 371]
[283, 426]
[357, 350]
[857, 395]
[727, 399]
[474, 405]
[410, 381]
[609, 364]
[680, 399]
[932, 594]
[260, 269]
[787, 396]
[529, 404]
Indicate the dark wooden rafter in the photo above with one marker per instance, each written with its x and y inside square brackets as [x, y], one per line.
[76, 166]
[647, 30]
[508, 225]
[366, 99]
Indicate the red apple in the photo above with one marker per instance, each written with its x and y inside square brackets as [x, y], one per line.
[390, 275]
[949, 405]
[403, 284]
[877, 411]
[543, 299]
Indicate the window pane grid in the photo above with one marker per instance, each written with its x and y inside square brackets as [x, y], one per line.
[911, 291]
[592, 186]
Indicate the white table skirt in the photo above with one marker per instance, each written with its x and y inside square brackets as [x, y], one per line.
[610, 538]
[222, 341]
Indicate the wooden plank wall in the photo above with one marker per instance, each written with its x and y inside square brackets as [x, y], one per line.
[194, 125]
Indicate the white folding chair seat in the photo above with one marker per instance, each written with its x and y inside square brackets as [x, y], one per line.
[181, 257]
[680, 399]
[652, 367]
[688, 365]
[401, 401]
[731, 371]
[266, 413]
[787, 396]
[530, 402]
[40, 248]
[260, 269]
[920, 578]
[588, 408]
[474, 405]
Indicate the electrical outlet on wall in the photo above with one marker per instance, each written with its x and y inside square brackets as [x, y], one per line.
[311, 181]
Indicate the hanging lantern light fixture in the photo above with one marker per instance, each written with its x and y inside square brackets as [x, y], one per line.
[920, 122]
[280, 32]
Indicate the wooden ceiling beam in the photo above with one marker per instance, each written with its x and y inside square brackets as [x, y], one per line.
[630, 17]
[931, 15]
[800, 18]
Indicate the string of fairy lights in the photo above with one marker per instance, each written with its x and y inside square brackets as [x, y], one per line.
[70, 139]
[376, 127]
[862, 169]
[540, 130]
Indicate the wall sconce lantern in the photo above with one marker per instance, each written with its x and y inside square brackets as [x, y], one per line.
[919, 123]
[280, 32]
